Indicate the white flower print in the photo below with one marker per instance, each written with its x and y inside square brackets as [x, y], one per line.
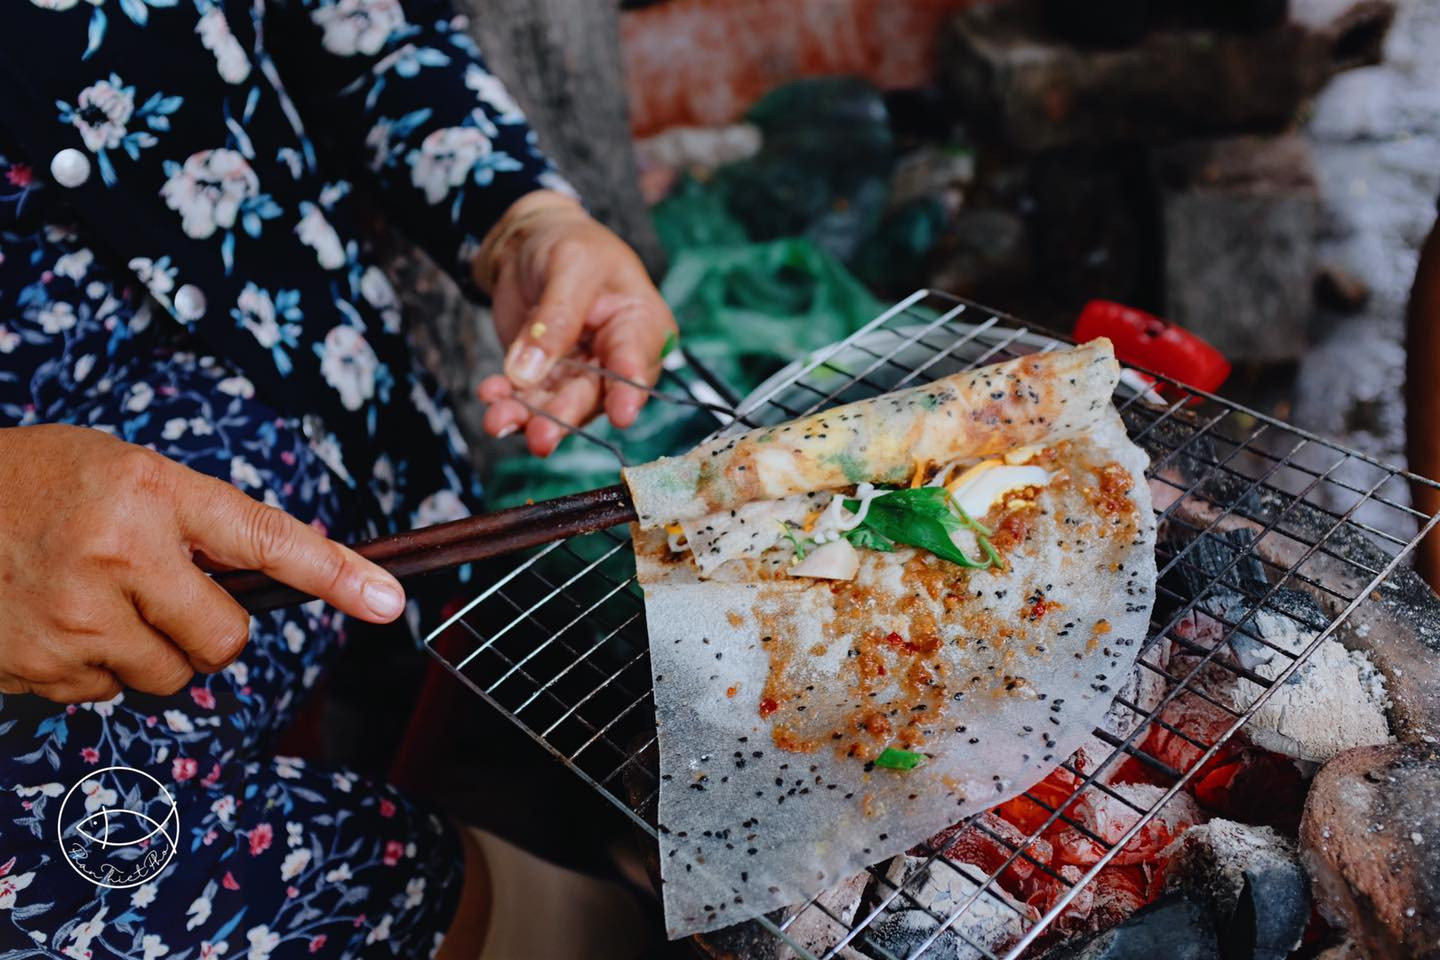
[209, 189]
[12, 885]
[294, 834]
[140, 398]
[262, 941]
[157, 275]
[79, 946]
[236, 386]
[339, 874]
[178, 721]
[152, 947]
[294, 863]
[143, 896]
[239, 672]
[105, 708]
[97, 796]
[56, 316]
[257, 314]
[445, 159]
[244, 475]
[45, 789]
[348, 364]
[209, 951]
[294, 636]
[315, 231]
[95, 289]
[83, 366]
[230, 58]
[101, 113]
[174, 428]
[441, 506]
[489, 89]
[344, 782]
[74, 265]
[381, 930]
[288, 768]
[358, 26]
[414, 892]
[376, 289]
[224, 808]
[199, 911]
[9, 339]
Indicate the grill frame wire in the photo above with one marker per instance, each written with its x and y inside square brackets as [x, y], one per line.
[528, 588]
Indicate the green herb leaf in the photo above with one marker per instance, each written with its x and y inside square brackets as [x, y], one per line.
[795, 541]
[892, 759]
[863, 536]
[919, 518]
[672, 341]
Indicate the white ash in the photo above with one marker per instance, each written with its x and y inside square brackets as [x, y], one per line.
[1335, 700]
[992, 921]
[1211, 859]
[817, 927]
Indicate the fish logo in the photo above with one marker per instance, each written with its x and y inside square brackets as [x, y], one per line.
[118, 827]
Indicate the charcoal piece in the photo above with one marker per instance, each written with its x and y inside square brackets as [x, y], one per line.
[1370, 839]
[1174, 927]
[1251, 880]
[1398, 625]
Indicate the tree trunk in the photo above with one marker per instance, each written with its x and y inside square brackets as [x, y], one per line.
[561, 61]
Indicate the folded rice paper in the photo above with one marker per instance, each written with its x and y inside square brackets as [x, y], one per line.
[809, 727]
[975, 413]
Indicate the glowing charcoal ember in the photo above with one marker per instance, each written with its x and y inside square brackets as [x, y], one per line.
[1034, 807]
[1109, 817]
[988, 843]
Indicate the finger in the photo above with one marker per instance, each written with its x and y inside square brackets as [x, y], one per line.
[574, 403]
[630, 343]
[86, 684]
[143, 660]
[197, 616]
[505, 418]
[494, 388]
[243, 532]
[572, 283]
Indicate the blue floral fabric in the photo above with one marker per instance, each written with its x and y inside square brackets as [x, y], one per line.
[207, 292]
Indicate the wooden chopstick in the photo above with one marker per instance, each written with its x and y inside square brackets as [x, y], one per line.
[448, 545]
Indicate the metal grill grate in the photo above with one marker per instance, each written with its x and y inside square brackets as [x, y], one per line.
[558, 642]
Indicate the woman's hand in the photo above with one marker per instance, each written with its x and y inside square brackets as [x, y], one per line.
[566, 287]
[99, 585]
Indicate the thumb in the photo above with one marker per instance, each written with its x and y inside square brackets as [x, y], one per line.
[557, 321]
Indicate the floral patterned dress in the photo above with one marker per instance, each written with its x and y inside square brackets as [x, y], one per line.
[204, 289]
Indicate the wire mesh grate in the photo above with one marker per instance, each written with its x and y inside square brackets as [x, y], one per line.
[1271, 538]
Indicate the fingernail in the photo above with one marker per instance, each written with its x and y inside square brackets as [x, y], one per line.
[506, 431]
[384, 599]
[526, 366]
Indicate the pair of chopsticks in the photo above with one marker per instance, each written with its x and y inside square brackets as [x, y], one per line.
[447, 545]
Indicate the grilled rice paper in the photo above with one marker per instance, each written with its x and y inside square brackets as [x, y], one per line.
[1043, 396]
[776, 694]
